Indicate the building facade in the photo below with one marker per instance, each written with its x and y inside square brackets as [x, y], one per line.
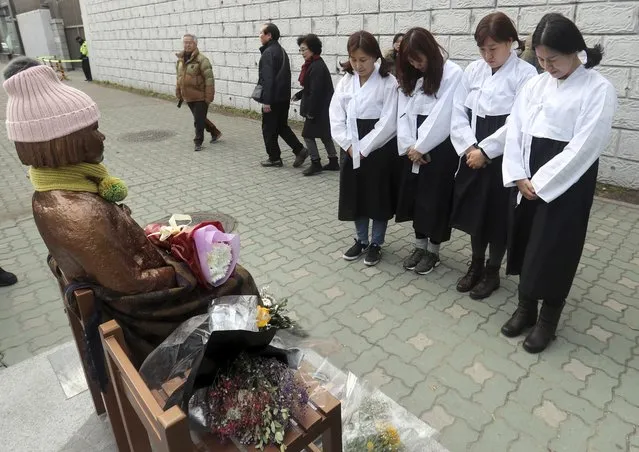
[133, 43]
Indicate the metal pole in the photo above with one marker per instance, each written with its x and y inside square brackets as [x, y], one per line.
[12, 13]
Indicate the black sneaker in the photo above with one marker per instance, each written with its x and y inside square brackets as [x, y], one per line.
[355, 251]
[272, 163]
[373, 255]
[216, 138]
[411, 261]
[7, 279]
[428, 263]
[198, 147]
[333, 164]
[300, 158]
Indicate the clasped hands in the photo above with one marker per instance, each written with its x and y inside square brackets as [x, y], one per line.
[415, 156]
[527, 190]
[475, 158]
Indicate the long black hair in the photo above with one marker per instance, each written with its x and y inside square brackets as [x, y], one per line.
[561, 34]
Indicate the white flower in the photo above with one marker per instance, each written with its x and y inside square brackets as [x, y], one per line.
[219, 260]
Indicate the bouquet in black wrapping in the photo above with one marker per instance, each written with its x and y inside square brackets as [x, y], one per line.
[221, 370]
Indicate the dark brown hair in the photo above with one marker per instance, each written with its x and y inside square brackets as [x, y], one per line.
[499, 28]
[420, 42]
[84, 146]
[369, 45]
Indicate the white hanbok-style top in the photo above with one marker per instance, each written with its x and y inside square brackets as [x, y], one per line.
[578, 110]
[377, 99]
[487, 94]
[438, 108]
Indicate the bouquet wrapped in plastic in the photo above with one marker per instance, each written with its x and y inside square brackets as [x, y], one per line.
[233, 383]
[210, 253]
[371, 421]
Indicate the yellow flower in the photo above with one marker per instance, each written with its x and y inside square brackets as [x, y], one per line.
[370, 446]
[263, 316]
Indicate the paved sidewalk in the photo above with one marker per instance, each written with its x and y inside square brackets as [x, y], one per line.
[435, 351]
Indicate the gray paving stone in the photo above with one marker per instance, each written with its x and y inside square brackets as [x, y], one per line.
[611, 434]
[573, 435]
[459, 436]
[496, 436]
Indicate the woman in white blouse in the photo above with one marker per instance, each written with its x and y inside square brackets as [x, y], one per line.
[428, 82]
[483, 101]
[363, 115]
[560, 124]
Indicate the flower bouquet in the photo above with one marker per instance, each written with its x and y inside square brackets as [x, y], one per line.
[210, 253]
[232, 382]
[253, 401]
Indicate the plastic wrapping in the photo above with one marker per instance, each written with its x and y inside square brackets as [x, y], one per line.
[192, 356]
[368, 415]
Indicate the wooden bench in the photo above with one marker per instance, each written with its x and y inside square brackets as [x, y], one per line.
[78, 315]
[150, 428]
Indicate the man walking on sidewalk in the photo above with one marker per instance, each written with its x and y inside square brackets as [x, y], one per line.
[196, 86]
[273, 91]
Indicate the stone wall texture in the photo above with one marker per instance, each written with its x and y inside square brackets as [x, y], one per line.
[133, 42]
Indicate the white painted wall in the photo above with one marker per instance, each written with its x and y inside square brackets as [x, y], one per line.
[133, 42]
[37, 34]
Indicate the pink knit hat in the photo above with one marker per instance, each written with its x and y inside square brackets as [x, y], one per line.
[42, 108]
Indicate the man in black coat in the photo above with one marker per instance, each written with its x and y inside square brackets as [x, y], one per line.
[275, 97]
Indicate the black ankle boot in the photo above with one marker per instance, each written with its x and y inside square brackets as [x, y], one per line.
[488, 284]
[472, 276]
[524, 317]
[7, 279]
[544, 331]
[316, 167]
[333, 164]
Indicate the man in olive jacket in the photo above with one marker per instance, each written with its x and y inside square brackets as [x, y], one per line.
[196, 86]
[274, 93]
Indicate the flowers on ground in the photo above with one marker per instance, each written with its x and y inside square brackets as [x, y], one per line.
[254, 400]
[385, 439]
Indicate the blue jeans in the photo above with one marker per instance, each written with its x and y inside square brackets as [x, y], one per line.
[379, 231]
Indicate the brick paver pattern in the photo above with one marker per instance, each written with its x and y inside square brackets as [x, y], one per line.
[435, 351]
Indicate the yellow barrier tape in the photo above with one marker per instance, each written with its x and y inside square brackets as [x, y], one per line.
[53, 60]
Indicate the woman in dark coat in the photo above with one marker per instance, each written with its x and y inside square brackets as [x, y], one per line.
[316, 94]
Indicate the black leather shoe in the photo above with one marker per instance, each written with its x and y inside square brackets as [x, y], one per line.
[524, 317]
[7, 279]
[272, 163]
[544, 331]
[300, 158]
[489, 283]
[475, 269]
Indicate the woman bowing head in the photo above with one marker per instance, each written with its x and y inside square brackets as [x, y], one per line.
[483, 101]
[428, 82]
[560, 124]
[363, 115]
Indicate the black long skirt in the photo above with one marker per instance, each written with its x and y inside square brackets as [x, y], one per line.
[480, 201]
[369, 191]
[426, 198]
[546, 239]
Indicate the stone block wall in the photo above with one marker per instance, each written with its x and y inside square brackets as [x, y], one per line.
[133, 42]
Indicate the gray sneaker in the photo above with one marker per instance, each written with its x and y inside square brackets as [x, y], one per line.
[428, 263]
[415, 257]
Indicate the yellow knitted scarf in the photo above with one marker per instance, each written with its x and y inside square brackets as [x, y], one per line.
[87, 177]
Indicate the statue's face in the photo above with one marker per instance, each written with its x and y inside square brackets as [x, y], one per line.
[96, 153]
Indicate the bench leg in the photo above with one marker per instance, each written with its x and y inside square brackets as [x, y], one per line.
[332, 437]
[115, 418]
[78, 336]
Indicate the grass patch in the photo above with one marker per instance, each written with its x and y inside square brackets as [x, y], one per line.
[608, 191]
